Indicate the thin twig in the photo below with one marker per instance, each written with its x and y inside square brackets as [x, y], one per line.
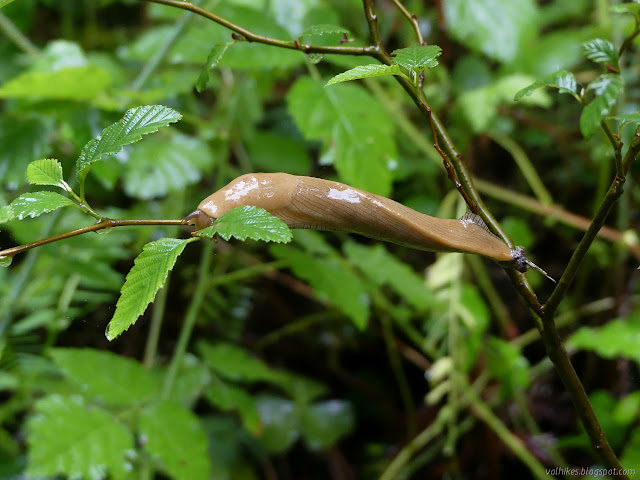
[106, 223]
[253, 37]
[16, 35]
[412, 18]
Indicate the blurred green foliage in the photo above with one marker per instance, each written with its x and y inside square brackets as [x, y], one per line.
[324, 358]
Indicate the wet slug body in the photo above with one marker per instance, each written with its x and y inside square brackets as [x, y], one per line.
[314, 203]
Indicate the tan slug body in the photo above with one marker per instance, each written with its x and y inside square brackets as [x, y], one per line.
[314, 203]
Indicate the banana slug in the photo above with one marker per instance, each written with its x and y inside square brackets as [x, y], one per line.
[314, 203]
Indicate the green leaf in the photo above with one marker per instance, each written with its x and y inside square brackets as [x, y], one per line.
[618, 338]
[173, 436]
[323, 29]
[606, 87]
[601, 51]
[4, 3]
[83, 84]
[149, 272]
[135, 123]
[357, 132]
[273, 152]
[23, 140]
[281, 421]
[170, 163]
[366, 71]
[228, 397]
[323, 423]
[216, 54]
[501, 29]
[348, 294]
[625, 119]
[506, 363]
[235, 363]
[417, 57]
[632, 8]
[113, 379]
[385, 269]
[562, 80]
[249, 222]
[67, 438]
[45, 172]
[7, 214]
[37, 203]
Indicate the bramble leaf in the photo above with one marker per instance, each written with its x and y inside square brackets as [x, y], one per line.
[149, 272]
[562, 80]
[174, 436]
[69, 438]
[45, 172]
[216, 54]
[7, 214]
[417, 57]
[366, 71]
[601, 51]
[606, 87]
[114, 379]
[135, 123]
[36, 203]
[249, 222]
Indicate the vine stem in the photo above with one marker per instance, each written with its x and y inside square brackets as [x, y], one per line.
[105, 223]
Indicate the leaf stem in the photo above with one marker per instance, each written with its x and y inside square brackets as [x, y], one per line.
[18, 38]
[105, 223]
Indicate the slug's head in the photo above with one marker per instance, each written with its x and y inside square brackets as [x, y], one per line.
[521, 263]
[199, 219]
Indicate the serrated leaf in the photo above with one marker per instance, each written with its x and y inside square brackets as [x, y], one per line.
[45, 172]
[37, 203]
[366, 71]
[113, 379]
[356, 131]
[606, 87]
[7, 214]
[213, 59]
[600, 51]
[173, 436]
[135, 123]
[67, 438]
[249, 222]
[149, 272]
[562, 80]
[417, 57]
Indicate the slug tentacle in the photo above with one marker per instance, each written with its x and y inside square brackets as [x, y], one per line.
[314, 203]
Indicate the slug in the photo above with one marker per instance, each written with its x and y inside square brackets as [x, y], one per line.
[314, 203]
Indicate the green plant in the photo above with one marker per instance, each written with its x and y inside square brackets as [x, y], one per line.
[275, 107]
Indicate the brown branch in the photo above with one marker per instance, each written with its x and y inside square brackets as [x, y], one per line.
[106, 223]
[413, 19]
[254, 37]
